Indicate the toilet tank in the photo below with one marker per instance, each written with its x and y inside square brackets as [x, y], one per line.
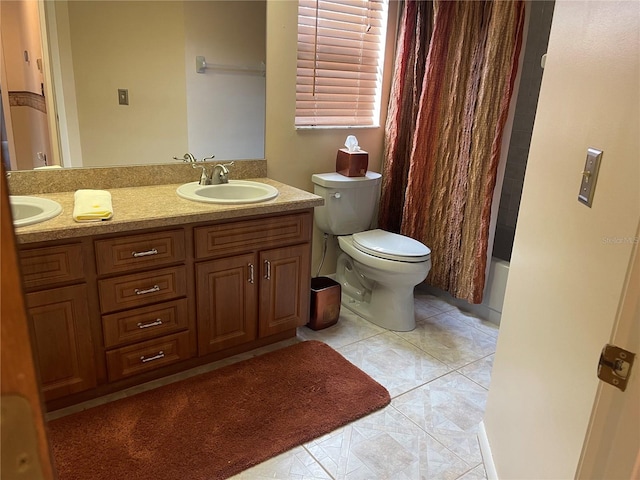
[350, 203]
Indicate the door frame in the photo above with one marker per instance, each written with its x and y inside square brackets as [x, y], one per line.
[49, 91]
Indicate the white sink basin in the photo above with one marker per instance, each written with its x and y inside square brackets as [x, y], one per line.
[234, 192]
[29, 210]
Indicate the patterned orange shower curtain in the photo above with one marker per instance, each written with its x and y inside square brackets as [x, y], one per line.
[441, 153]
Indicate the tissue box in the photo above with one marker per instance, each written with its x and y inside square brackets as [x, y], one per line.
[352, 164]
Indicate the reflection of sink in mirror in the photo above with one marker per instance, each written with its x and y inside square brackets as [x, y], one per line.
[234, 192]
[30, 210]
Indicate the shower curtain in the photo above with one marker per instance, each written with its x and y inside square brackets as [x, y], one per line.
[456, 64]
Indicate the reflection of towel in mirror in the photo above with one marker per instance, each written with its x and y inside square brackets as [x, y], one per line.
[92, 206]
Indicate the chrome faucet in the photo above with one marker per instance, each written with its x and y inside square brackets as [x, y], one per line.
[187, 157]
[219, 174]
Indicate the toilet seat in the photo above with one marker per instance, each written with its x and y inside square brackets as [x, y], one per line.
[391, 246]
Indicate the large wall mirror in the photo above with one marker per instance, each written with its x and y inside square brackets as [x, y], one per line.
[137, 82]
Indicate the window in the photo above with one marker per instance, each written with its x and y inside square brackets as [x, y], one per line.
[340, 58]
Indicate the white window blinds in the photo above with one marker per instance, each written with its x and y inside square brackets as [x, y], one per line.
[340, 57]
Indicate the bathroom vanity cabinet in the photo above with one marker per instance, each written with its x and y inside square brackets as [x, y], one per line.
[257, 282]
[58, 306]
[111, 311]
[142, 286]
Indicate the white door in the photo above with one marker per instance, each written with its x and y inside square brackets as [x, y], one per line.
[571, 263]
[612, 447]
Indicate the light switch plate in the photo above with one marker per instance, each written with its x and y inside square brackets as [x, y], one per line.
[123, 96]
[589, 176]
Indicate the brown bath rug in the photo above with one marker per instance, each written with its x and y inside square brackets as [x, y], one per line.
[219, 423]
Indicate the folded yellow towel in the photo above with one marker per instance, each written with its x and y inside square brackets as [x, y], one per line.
[47, 167]
[92, 206]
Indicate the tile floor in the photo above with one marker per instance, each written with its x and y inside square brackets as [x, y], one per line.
[438, 376]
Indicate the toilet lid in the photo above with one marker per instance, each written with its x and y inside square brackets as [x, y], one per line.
[391, 246]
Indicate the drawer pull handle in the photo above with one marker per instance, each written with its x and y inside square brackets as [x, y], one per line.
[251, 277]
[267, 274]
[153, 251]
[152, 324]
[157, 356]
[155, 288]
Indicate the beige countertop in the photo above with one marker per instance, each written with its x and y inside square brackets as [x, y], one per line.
[137, 208]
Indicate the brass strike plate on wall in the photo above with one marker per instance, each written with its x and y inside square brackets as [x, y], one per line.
[615, 365]
[20, 458]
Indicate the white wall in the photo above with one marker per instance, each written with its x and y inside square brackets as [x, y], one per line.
[569, 261]
[31, 135]
[225, 109]
[137, 46]
[149, 48]
[29, 132]
[20, 33]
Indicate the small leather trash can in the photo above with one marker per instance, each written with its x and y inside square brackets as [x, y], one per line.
[325, 303]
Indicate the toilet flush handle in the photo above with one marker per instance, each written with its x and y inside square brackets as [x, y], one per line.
[336, 195]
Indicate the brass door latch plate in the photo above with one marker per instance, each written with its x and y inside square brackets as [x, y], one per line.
[615, 365]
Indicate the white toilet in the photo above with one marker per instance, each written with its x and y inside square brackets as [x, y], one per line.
[377, 269]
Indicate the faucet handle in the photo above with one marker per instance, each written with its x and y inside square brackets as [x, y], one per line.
[187, 157]
[220, 173]
[223, 168]
[208, 158]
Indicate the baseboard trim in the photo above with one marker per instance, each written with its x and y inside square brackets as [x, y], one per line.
[487, 457]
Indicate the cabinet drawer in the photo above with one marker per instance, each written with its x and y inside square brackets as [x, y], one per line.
[245, 236]
[141, 357]
[144, 323]
[51, 265]
[115, 255]
[137, 290]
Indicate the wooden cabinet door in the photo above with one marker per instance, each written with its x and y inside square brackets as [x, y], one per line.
[226, 296]
[285, 285]
[62, 340]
